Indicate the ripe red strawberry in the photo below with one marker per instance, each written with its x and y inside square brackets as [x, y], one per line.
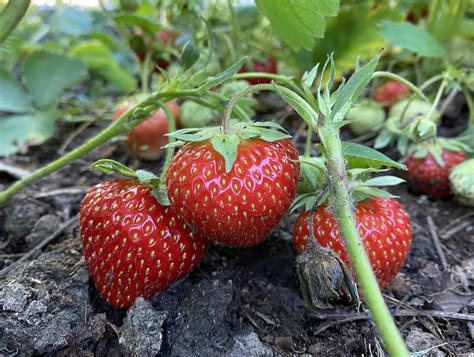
[384, 227]
[431, 177]
[390, 92]
[239, 207]
[268, 65]
[133, 246]
[146, 140]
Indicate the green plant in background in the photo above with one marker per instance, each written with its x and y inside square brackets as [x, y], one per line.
[30, 116]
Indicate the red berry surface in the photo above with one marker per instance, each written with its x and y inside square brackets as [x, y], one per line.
[146, 140]
[390, 92]
[427, 176]
[269, 65]
[238, 208]
[133, 246]
[384, 228]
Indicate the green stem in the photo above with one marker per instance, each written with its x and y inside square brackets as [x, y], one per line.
[396, 77]
[126, 122]
[275, 77]
[443, 85]
[342, 204]
[11, 16]
[309, 142]
[169, 149]
[145, 72]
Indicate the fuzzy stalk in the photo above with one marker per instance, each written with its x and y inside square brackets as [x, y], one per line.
[342, 206]
[10, 17]
[122, 125]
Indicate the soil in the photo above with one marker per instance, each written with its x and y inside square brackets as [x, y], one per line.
[238, 302]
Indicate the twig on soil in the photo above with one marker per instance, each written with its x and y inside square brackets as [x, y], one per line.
[342, 317]
[40, 246]
[14, 171]
[437, 243]
[63, 191]
[448, 232]
[76, 132]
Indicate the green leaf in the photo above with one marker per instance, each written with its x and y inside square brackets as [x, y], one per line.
[383, 139]
[350, 35]
[352, 89]
[373, 192]
[140, 21]
[223, 76]
[298, 22]
[363, 156]
[71, 21]
[22, 130]
[99, 59]
[226, 145]
[147, 178]
[308, 114]
[412, 38]
[189, 56]
[269, 135]
[309, 77]
[160, 193]
[108, 166]
[48, 74]
[13, 98]
[383, 181]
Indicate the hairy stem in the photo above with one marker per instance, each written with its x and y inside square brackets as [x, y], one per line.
[341, 204]
[125, 123]
[11, 16]
[276, 77]
[396, 77]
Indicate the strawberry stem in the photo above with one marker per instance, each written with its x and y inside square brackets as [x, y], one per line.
[11, 15]
[139, 113]
[341, 204]
[396, 77]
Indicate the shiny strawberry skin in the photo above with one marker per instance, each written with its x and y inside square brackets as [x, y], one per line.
[133, 246]
[269, 65]
[384, 227]
[390, 92]
[427, 176]
[238, 208]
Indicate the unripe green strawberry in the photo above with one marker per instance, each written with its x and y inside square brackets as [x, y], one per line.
[194, 115]
[462, 182]
[366, 117]
[415, 108]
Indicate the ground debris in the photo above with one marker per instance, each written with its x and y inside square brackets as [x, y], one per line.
[141, 332]
[48, 299]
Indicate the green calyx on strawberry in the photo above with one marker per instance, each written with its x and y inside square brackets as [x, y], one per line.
[233, 187]
[429, 164]
[408, 121]
[461, 179]
[133, 245]
[368, 116]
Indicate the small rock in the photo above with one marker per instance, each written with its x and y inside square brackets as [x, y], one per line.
[249, 345]
[21, 219]
[141, 331]
[13, 297]
[43, 228]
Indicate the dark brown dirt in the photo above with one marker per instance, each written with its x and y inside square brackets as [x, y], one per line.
[238, 302]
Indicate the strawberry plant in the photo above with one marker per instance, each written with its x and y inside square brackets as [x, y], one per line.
[462, 182]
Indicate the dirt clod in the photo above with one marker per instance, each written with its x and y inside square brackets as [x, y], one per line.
[141, 331]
